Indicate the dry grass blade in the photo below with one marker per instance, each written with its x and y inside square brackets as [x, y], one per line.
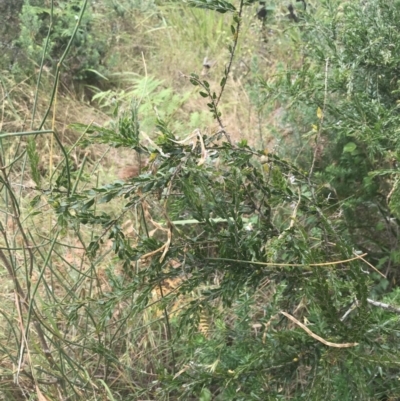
[167, 244]
[371, 266]
[40, 395]
[318, 338]
[337, 262]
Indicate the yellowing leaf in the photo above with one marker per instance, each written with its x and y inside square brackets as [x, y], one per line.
[319, 113]
[152, 157]
[315, 128]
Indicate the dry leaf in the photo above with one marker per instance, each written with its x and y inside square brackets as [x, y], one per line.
[40, 395]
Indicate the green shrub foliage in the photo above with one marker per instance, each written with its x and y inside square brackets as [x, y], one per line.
[9, 10]
[252, 238]
[45, 29]
[349, 73]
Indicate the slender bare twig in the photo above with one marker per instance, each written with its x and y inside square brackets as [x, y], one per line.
[235, 42]
[371, 266]
[336, 262]
[23, 299]
[315, 336]
[352, 307]
[382, 305]
[388, 307]
[293, 216]
[317, 139]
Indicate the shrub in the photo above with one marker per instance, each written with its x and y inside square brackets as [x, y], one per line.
[49, 30]
[344, 103]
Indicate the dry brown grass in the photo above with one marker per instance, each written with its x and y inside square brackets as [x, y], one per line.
[174, 43]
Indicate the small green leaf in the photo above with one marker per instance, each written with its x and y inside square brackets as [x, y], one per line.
[87, 205]
[107, 198]
[204, 94]
[35, 201]
[350, 147]
[205, 395]
[194, 79]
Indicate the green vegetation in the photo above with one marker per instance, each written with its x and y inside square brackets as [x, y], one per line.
[198, 204]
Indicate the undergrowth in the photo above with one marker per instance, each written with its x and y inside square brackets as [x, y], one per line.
[253, 254]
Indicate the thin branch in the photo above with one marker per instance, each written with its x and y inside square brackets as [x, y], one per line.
[337, 262]
[383, 306]
[371, 266]
[235, 42]
[321, 119]
[315, 336]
